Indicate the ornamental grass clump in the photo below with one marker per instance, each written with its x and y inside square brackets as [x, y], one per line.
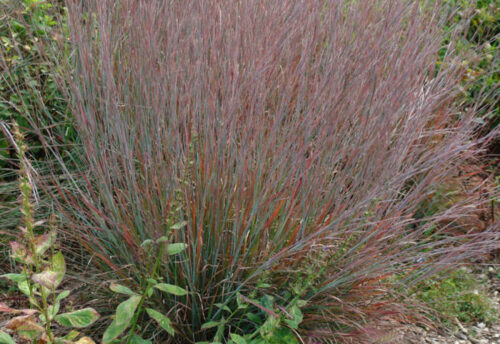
[294, 142]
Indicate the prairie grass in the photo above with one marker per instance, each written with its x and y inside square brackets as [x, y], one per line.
[293, 140]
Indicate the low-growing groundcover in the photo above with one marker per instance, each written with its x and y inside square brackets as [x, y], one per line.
[458, 295]
[284, 146]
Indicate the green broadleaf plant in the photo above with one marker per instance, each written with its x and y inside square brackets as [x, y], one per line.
[42, 271]
[274, 321]
[129, 311]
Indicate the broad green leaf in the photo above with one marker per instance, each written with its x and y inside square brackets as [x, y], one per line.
[297, 316]
[118, 288]
[42, 319]
[162, 320]
[53, 310]
[135, 339]
[124, 314]
[152, 281]
[283, 335]
[15, 277]
[237, 339]
[64, 294]
[179, 225]
[24, 288]
[147, 243]
[240, 302]
[59, 266]
[220, 331]
[46, 278]
[269, 326]
[78, 319]
[253, 318]
[266, 301]
[5, 338]
[171, 289]
[173, 249]
[21, 281]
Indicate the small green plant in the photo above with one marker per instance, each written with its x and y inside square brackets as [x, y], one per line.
[271, 323]
[42, 271]
[457, 296]
[128, 312]
[265, 317]
[279, 325]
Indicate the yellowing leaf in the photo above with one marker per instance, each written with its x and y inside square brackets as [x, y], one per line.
[173, 249]
[85, 340]
[59, 266]
[162, 320]
[71, 335]
[78, 319]
[46, 278]
[118, 288]
[43, 242]
[171, 289]
[20, 253]
[124, 314]
[62, 295]
[25, 326]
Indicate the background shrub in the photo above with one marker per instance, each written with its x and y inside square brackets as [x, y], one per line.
[480, 44]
